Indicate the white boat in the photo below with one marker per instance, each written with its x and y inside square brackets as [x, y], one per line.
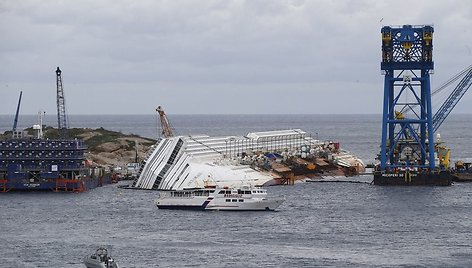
[100, 259]
[235, 199]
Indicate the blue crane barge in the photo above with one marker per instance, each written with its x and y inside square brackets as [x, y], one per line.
[33, 163]
[407, 155]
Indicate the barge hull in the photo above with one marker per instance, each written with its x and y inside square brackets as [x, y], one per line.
[443, 178]
[462, 177]
[47, 165]
[59, 185]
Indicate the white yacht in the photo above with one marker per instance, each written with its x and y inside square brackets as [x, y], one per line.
[236, 199]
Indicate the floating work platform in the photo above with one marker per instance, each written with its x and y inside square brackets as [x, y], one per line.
[31, 164]
[412, 178]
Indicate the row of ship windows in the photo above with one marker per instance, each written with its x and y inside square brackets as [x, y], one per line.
[189, 194]
[241, 192]
[42, 147]
[34, 163]
[234, 200]
[230, 192]
[39, 153]
[41, 160]
[182, 194]
[42, 143]
[41, 150]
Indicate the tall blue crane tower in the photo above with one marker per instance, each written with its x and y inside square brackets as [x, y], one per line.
[407, 148]
[61, 105]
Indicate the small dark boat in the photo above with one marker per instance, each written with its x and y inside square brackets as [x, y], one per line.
[462, 172]
[100, 259]
[462, 176]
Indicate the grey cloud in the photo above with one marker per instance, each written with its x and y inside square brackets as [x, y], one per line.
[270, 48]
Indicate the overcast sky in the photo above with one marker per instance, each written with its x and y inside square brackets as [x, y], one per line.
[215, 57]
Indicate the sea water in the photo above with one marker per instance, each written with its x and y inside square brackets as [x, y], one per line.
[319, 225]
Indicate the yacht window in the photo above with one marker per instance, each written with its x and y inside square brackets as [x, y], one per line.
[228, 200]
[241, 200]
[221, 192]
[234, 200]
[247, 192]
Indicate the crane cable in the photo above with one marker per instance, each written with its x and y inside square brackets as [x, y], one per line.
[442, 87]
[452, 80]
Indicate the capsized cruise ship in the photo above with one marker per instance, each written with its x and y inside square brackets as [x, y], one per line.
[200, 161]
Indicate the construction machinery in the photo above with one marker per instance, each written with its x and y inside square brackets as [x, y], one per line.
[33, 163]
[166, 129]
[15, 122]
[61, 105]
[453, 99]
[407, 155]
[465, 76]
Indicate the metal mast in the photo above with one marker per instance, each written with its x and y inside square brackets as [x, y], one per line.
[407, 61]
[17, 112]
[61, 105]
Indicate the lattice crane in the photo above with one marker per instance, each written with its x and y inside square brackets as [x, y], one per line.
[61, 105]
[165, 124]
[452, 100]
